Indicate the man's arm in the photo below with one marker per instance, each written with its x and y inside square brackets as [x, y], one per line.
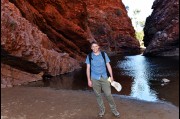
[88, 75]
[110, 71]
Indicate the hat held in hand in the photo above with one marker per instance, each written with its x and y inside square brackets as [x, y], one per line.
[115, 84]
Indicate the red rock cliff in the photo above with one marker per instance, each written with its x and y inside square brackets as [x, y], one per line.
[53, 36]
[26, 48]
[109, 24]
[162, 29]
[73, 24]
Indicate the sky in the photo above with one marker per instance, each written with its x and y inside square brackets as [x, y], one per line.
[143, 5]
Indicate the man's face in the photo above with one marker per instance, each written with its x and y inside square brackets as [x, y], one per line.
[95, 48]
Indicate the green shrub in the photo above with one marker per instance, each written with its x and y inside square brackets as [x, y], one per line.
[139, 37]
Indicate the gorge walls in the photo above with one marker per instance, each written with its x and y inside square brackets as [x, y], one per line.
[73, 24]
[109, 24]
[162, 29]
[52, 37]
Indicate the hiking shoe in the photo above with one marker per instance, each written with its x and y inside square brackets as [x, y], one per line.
[116, 113]
[101, 113]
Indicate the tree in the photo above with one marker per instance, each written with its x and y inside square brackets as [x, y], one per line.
[134, 19]
[127, 8]
[139, 37]
[142, 23]
[136, 11]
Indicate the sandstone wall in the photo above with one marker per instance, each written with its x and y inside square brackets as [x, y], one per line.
[73, 24]
[11, 76]
[162, 29]
[110, 25]
[26, 48]
[53, 37]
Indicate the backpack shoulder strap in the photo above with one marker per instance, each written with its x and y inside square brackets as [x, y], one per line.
[103, 55]
[90, 57]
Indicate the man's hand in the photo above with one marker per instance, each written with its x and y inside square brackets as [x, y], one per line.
[112, 79]
[90, 83]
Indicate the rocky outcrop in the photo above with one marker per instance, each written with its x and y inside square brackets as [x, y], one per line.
[53, 37]
[73, 24]
[63, 21]
[110, 25]
[162, 29]
[11, 76]
[26, 48]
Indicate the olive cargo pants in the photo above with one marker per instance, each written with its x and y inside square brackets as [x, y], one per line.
[103, 84]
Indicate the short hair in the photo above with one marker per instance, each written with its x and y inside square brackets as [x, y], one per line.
[94, 42]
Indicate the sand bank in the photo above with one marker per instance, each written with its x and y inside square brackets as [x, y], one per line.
[47, 103]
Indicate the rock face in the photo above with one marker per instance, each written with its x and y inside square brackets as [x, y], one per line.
[162, 29]
[26, 48]
[63, 21]
[11, 76]
[53, 37]
[73, 24]
[109, 24]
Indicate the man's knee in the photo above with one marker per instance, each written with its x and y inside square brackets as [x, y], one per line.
[108, 94]
[97, 93]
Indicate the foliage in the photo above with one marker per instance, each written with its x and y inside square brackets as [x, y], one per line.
[136, 12]
[139, 36]
[127, 8]
[142, 23]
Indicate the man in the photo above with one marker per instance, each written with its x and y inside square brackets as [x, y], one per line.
[97, 78]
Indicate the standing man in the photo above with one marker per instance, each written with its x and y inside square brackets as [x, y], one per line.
[96, 71]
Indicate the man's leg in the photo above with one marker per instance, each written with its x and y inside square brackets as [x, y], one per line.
[97, 91]
[107, 91]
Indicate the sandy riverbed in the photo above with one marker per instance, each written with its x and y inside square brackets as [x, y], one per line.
[46, 103]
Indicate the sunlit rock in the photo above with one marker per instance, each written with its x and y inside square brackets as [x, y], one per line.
[26, 48]
[72, 25]
[165, 80]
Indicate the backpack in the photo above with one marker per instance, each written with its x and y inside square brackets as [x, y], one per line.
[103, 55]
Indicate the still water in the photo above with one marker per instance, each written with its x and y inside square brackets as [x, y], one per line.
[139, 76]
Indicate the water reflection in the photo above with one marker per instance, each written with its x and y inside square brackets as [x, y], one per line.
[137, 75]
[137, 67]
[71, 81]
